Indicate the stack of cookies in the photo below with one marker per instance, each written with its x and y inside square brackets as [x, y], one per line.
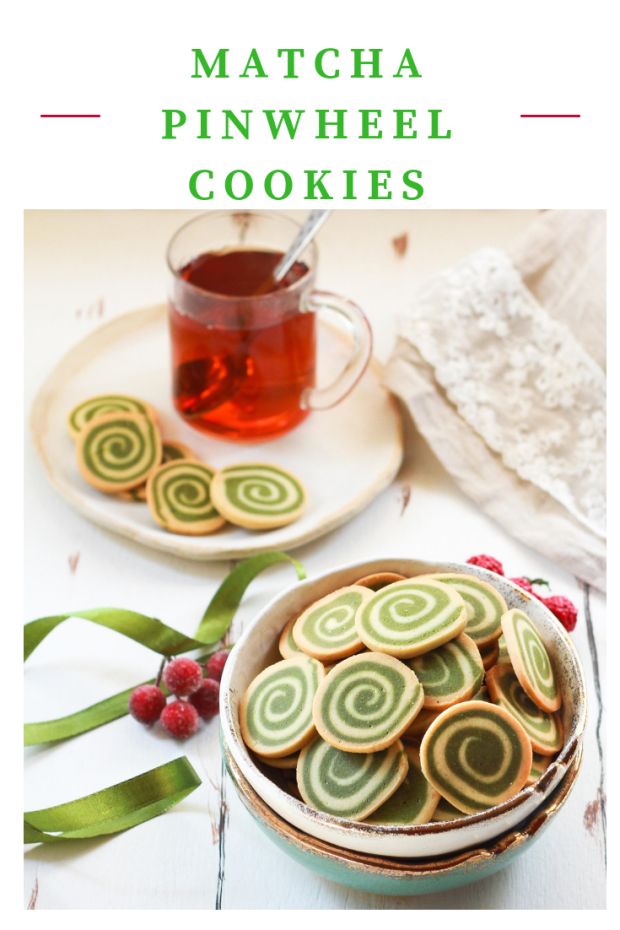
[120, 451]
[405, 700]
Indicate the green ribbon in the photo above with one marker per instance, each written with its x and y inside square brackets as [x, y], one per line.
[138, 799]
[152, 633]
[115, 808]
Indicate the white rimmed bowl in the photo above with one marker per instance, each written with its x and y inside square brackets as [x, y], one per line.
[257, 648]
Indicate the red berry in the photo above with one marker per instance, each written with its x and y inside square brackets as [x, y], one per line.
[488, 562]
[182, 677]
[180, 719]
[215, 664]
[207, 699]
[524, 583]
[146, 703]
[563, 609]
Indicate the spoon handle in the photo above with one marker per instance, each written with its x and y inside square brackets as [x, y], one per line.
[313, 223]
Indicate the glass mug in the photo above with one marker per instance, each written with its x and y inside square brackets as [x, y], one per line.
[244, 353]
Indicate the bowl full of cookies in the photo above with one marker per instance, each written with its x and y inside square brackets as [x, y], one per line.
[402, 708]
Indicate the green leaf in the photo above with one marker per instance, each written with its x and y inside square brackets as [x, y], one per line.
[116, 808]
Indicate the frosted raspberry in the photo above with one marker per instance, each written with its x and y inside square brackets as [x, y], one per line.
[488, 562]
[180, 719]
[182, 677]
[215, 664]
[528, 585]
[563, 609]
[207, 699]
[146, 703]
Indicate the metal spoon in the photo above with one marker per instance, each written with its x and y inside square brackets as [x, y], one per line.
[306, 234]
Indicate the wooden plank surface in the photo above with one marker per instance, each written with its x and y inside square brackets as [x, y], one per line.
[208, 853]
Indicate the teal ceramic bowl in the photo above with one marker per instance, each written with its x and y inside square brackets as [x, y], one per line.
[382, 875]
[257, 648]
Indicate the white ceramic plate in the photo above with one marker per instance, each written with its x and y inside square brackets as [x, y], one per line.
[344, 456]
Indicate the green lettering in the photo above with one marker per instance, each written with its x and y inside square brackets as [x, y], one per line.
[407, 64]
[359, 62]
[315, 183]
[370, 122]
[229, 181]
[378, 184]
[290, 53]
[172, 120]
[435, 134]
[318, 63]
[219, 62]
[204, 124]
[350, 184]
[414, 185]
[404, 120]
[324, 123]
[285, 119]
[288, 184]
[253, 64]
[243, 128]
[193, 184]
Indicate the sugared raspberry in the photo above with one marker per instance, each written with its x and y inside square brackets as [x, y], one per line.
[182, 677]
[524, 583]
[563, 609]
[488, 562]
[207, 699]
[180, 719]
[528, 585]
[146, 703]
[215, 664]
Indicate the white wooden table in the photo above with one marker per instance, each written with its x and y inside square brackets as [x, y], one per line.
[83, 268]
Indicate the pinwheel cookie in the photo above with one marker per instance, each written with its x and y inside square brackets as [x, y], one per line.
[366, 702]
[118, 451]
[179, 498]
[258, 496]
[326, 629]
[449, 674]
[410, 617]
[530, 660]
[346, 784]
[276, 711]
[476, 755]
[103, 404]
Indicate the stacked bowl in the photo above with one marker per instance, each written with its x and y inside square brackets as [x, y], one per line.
[401, 859]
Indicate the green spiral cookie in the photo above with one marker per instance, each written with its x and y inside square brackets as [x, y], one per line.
[544, 730]
[179, 498]
[485, 607]
[326, 629]
[287, 646]
[346, 784]
[258, 496]
[118, 451]
[410, 617]
[414, 802]
[530, 660]
[366, 702]
[476, 755]
[103, 404]
[276, 711]
[449, 674]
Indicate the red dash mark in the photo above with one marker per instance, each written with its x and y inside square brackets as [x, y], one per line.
[550, 115]
[70, 115]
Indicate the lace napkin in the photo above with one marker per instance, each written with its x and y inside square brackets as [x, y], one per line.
[510, 400]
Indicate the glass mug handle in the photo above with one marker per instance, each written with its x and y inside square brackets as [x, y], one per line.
[325, 397]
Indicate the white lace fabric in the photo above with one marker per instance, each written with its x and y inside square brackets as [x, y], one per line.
[512, 404]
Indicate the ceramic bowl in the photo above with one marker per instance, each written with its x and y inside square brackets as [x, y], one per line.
[381, 875]
[257, 648]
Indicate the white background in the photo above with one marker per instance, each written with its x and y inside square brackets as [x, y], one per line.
[483, 63]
